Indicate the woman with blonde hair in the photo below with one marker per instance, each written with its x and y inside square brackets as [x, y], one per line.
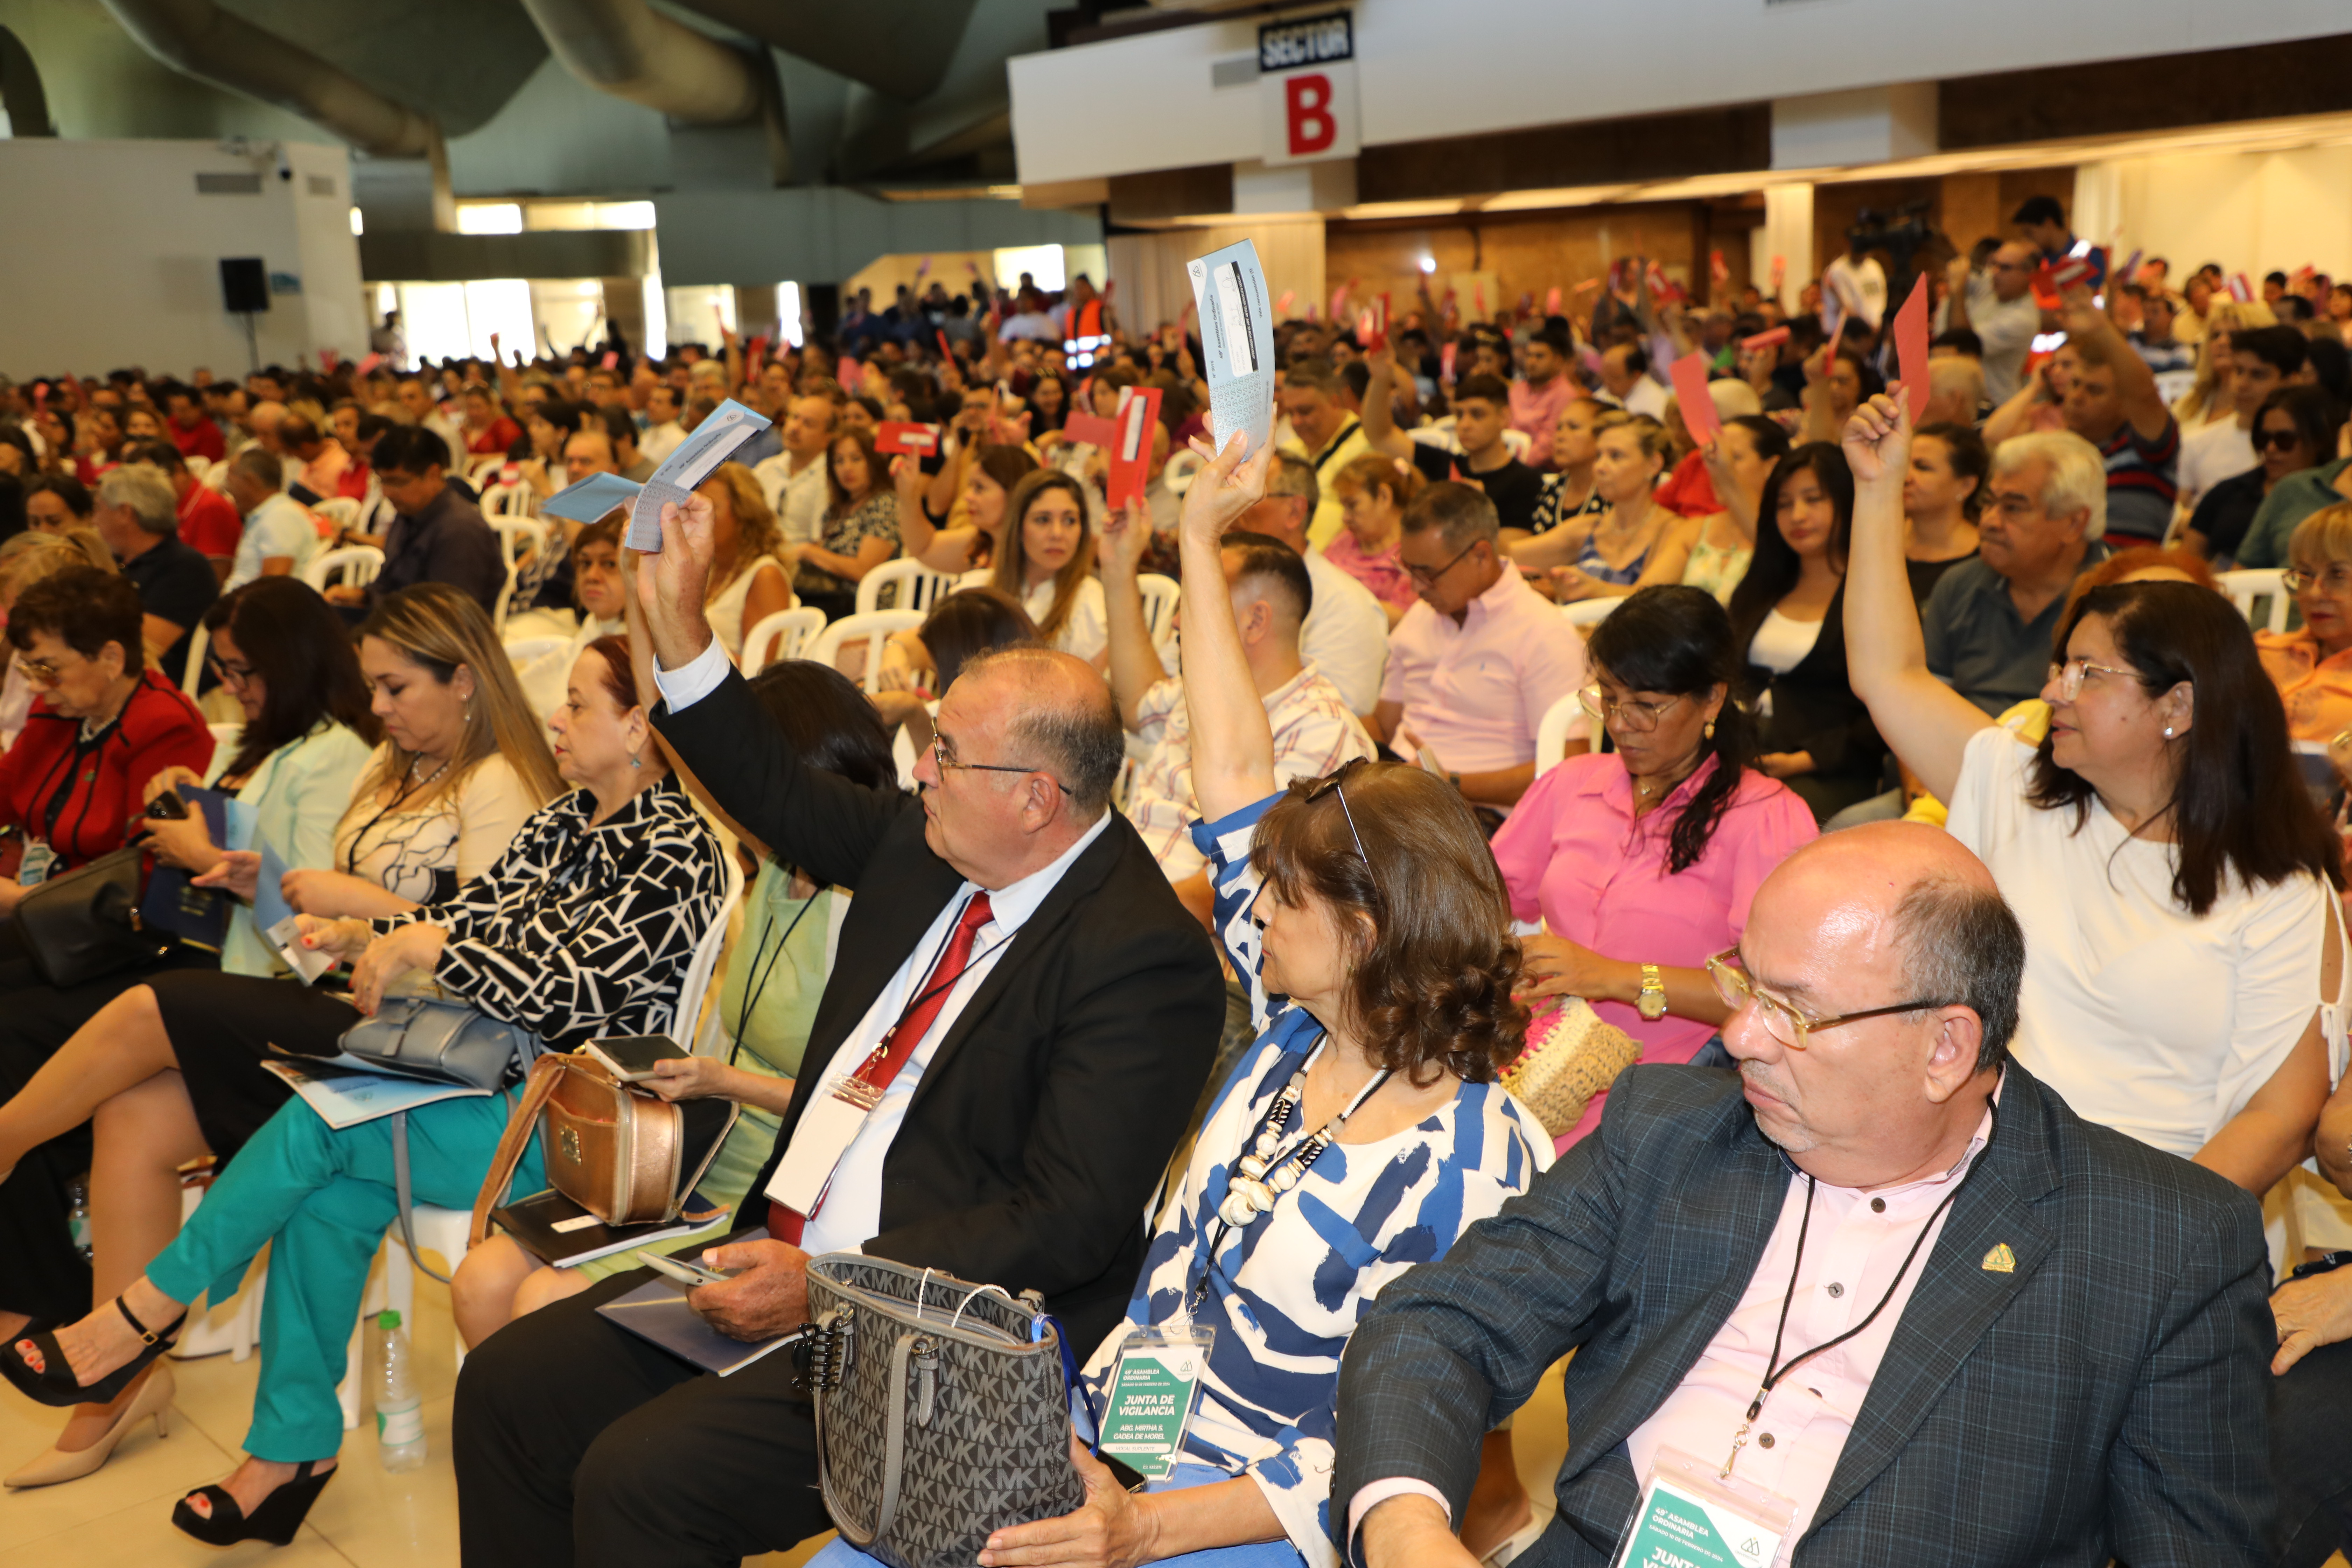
[1373, 492]
[1047, 562]
[2208, 397]
[748, 582]
[1603, 554]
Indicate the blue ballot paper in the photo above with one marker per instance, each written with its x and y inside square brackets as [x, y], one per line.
[1236, 343]
[729, 427]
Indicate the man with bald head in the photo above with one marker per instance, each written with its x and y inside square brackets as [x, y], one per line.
[1915, 1308]
[1020, 1016]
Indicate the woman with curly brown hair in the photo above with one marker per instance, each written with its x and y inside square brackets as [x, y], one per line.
[1361, 1136]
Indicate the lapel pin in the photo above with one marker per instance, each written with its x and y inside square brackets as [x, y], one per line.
[2001, 1259]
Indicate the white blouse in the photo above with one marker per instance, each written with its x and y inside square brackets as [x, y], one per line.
[1088, 631]
[2146, 1018]
[1782, 644]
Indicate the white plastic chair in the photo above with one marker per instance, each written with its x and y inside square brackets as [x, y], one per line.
[521, 653]
[357, 563]
[875, 630]
[516, 500]
[506, 599]
[696, 986]
[199, 639]
[920, 587]
[1586, 613]
[342, 510]
[785, 635]
[2261, 597]
[1160, 598]
[1551, 735]
[518, 535]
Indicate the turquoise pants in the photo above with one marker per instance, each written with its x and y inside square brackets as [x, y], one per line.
[323, 1199]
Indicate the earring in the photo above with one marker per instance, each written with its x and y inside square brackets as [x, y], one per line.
[1710, 730]
[635, 760]
[2168, 731]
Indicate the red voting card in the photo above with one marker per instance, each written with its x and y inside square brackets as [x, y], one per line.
[897, 438]
[1091, 428]
[1911, 348]
[327, 358]
[755, 349]
[1340, 298]
[846, 371]
[2045, 289]
[612, 358]
[2071, 271]
[1130, 451]
[1771, 337]
[1478, 298]
[369, 362]
[1717, 268]
[2239, 290]
[1551, 301]
[945, 351]
[1282, 306]
[1446, 357]
[1689, 374]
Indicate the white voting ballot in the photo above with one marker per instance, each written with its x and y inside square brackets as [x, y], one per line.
[729, 427]
[1236, 343]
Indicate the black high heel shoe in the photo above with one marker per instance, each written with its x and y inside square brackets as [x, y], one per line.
[54, 1384]
[276, 1520]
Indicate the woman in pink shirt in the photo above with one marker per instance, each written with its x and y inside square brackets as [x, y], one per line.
[1641, 861]
[1373, 492]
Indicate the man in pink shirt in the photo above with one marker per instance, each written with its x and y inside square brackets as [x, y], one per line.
[1542, 391]
[1474, 667]
[1914, 1308]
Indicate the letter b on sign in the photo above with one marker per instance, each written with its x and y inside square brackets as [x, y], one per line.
[1308, 127]
[1309, 114]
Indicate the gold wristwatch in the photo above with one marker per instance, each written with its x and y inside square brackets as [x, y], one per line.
[1651, 1003]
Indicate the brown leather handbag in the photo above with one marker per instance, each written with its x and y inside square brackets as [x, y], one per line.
[625, 1156]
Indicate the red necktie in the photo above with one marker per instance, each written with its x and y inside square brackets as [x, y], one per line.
[880, 1067]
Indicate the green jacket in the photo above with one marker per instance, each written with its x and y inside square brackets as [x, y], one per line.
[2290, 500]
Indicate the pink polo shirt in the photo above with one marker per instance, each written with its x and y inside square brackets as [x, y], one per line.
[1854, 1242]
[1536, 411]
[1574, 854]
[1476, 693]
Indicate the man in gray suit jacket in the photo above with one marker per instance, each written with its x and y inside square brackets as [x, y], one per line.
[1880, 1276]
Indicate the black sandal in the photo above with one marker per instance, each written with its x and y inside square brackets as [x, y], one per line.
[281, 1513]
[54, 1384]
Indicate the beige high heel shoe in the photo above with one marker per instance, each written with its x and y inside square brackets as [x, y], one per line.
[153, 1398]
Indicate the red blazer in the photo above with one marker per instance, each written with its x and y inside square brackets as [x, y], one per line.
[96, 791]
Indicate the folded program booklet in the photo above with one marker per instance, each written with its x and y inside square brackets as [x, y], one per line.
[1236, 343]
[724, 430]
[656, 1312]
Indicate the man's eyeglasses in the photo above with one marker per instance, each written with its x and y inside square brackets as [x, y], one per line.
[1427, 576]
[1335, 784]
[1781, 1018]
[227, 670]
[1635, 715]
[2335, 576]
[946, 762]
[2068, 677]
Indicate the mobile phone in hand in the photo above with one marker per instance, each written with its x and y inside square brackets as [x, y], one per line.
[168, 807]
[632, 1056]
[686, 1272]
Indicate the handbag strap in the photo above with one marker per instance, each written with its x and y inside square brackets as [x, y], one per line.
[407, 1207]
[545, 1074]
[894, 1454]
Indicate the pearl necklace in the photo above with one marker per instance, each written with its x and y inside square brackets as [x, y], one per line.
[1260, 1178]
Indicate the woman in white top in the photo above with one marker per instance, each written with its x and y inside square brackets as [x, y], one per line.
[746, 580]
[2172, 874]
[1047, 565]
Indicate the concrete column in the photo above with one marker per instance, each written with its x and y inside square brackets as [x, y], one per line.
[1787, 232]
[1864, 125]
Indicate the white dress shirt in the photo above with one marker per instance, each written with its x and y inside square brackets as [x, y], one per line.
[1346, 634]
[852, 1210]
[798, 499]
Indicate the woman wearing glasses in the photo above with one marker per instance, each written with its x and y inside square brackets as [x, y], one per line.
[2312, 665]
[2184, 981]
[1641, 861]
[1359, 1137]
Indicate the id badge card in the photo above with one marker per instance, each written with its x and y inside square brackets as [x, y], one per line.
[40, 862]
[1155, 1386]
[827, 1130]
[1691, 1516]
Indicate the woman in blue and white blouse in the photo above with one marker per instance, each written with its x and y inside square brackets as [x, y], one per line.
[1372, 927]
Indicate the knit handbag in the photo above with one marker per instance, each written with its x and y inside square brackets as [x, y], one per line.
[942, 1410]
[1571, 1057]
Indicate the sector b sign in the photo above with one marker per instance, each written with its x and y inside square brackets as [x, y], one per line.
[1306, 89]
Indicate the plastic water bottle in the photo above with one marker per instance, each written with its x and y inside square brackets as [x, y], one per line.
[78, 1215]
[399, 1409]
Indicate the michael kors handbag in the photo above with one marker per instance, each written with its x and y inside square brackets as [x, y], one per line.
[942, 1410]
[625, 1156]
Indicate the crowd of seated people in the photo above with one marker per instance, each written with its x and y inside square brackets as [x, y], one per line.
[1489, 688]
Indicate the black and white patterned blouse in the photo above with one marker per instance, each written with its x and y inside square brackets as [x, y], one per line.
[578, 932]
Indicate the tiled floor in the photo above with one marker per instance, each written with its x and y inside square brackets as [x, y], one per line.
[365, 1519]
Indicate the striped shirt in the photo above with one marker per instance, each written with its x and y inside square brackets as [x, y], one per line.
[2142, 480]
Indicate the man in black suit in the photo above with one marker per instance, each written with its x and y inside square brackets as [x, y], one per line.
[1878, 1274]
[1055, 1009]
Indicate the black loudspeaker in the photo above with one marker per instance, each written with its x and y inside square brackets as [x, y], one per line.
[244, 284]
